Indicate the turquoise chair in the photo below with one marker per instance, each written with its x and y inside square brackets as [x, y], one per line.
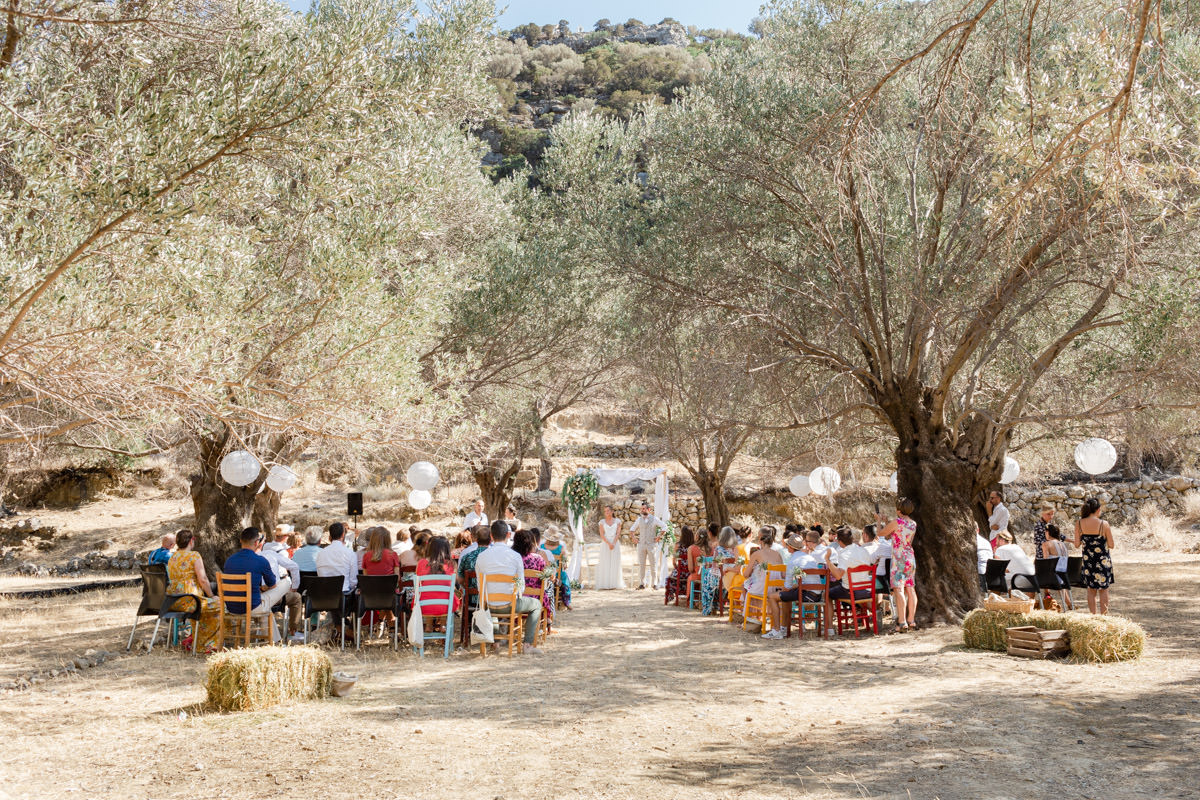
[694, 586]
[430, 591]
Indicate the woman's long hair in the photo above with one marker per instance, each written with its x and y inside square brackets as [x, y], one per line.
[437, 553]
[687, 538]
[378, 539]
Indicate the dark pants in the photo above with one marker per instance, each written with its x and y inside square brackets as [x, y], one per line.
[840, 592]
[792, 595]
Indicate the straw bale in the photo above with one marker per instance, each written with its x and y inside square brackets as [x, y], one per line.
[1093, 638]
[261, 677]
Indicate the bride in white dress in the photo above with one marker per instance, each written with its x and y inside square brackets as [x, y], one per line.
[608, 572]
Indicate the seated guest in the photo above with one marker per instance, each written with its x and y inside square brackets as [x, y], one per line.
[558, 550]
[536, 533]
[743, 547]
[677, 580]
[754, 573]
[162, 553]
[294, 542]
[1056, 547]
[462, 540]
[1018, 562]
[798, 560]
[248, 561]
[532, 559]
[185, 575]
[306, 556]
[850, 555]
[778, 546]
[337, 559]
[437, 562]
[379, 558]
[710, 580]
[412, 556]
[276, 553]
[983, 551]
[501, 560]
[404, 539]
[501, 533]
[466, 563]
[881, 551]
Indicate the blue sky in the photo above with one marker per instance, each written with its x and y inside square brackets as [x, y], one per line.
[735, 14]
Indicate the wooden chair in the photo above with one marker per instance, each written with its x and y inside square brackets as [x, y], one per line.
[693, 584]
[756, 602]
[812, 580]
[430, 591]
[852, 611]
[239, 625]
[538, 592]
[727, 564]
[499, 591]
[470, 602]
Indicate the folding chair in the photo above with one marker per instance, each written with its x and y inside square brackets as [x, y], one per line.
[722, 597]
[853, 610]
[377, 593]
[756, 602]
[591, 560]
[430, 591]
[499, 592]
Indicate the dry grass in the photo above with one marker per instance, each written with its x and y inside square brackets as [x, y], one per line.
[1101, 639]
[1155, 530]
[262, 677]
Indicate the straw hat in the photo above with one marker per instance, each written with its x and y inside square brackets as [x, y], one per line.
[553, 536]
[1005, 535]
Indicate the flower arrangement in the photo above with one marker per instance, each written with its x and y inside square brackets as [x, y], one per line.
[579, 492]
[549, 573]
[670, 539]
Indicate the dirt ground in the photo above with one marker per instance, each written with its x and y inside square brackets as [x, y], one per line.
[630, 699]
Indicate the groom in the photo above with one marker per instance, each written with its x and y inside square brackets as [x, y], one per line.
[647, 530]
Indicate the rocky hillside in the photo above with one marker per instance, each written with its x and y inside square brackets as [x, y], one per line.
[543, 72]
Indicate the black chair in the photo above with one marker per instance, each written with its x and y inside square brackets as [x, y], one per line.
[378, 593]
[1048, 580]
[324, 594]
[993, 576]
[157, 603]
[305, 578]
[1074, 572]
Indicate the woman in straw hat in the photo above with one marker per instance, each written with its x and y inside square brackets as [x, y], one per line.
[553, 544]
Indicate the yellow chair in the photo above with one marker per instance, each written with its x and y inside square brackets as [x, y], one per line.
[239, 626]
[756, 602]
[537, 593]
[498, 591]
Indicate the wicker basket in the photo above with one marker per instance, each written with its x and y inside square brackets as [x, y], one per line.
[1011, 606]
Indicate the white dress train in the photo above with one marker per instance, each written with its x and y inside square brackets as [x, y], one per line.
[609, 574]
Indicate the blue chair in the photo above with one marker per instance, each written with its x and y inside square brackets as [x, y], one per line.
[430, 591]
[694, 586]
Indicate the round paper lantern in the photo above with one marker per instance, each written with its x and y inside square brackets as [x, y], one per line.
[423, 476]
[419, 499]
[799, 486]
[280, 478]
[894, 483]
[240, 468]
[1011, 470]
[1095, 456]
[824, 480]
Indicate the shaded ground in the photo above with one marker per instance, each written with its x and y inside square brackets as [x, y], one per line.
[631, 700]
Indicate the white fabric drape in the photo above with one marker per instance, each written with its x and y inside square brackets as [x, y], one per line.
[575, 565]
[662, 510]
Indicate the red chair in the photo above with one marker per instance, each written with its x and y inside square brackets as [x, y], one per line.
[811, 580]
[852, 611]
[470, 596]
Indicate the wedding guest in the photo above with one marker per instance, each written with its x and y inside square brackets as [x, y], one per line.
[851, 555]
[510, 517]
[1056, 547]
[475, 517]
[677, 581]
[411, 557]
[556, 547]
[778, 545]
[1018, 562]
[754, 572]
[798, 559]
[337, 559]
[1096, 538]
[997, 516]
[462, 540]
[1045, 518]
[294, 543]
[881, 552]
[710, 579]
[404, 539]
[498, 560]
[185, 575]
[523, 543]
[983, 552]
[289, 573]
[900, 532]
[466, 562]
[437, 562]
[162, 553]
[248, 561]
[379, 558]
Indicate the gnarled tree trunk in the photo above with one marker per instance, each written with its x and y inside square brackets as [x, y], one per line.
[712, 489]
[496, 487]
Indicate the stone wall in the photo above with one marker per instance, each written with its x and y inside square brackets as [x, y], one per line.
[1124, 500]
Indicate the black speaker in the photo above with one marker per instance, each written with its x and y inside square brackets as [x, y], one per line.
[354, 504]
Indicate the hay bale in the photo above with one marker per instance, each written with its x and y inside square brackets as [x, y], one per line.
[1093, 638]
[261, 677]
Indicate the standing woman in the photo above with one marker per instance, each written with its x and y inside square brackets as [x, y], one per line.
[677, 582]
[185, 575]
[609, 574]
[900, 532]
[1041, 528]
[1096, 538]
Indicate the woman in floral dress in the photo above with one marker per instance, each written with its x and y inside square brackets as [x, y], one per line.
[677, 583]
[523, 544]
[710, 577]
[185, 575]
[1096, 538]
[900, 532]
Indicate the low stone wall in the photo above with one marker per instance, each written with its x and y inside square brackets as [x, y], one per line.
[1124, 500]
[621, 451]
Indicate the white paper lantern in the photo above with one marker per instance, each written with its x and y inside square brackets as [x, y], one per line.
[824, 480]
[799, 486]
[419, 499]
[240, 468]
[894, 483]
[280, 478]
[1011, 470]
[423, 476]
[1095, 456]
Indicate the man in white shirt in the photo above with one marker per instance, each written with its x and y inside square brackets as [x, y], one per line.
[798, 559]
[850, 555]
[288, 572]
[475, 516]
[337, 559]
[1018, 562]
[506, 561]
[997, 517]
[881, 551]
[647, 531]
[983, 551]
